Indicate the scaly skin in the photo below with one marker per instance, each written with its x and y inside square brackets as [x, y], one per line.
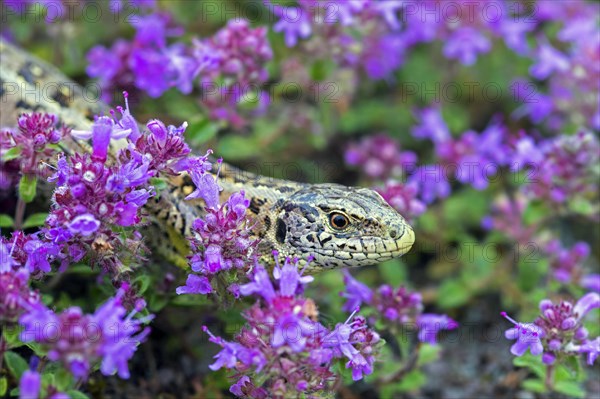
[292, 218]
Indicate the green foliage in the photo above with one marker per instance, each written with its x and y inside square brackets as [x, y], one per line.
[6, 221]
[35, 220]
[15, 363]
[27, 188]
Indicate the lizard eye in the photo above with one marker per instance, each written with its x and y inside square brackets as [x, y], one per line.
[338, 221]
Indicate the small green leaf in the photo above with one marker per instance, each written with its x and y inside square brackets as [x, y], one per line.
[6, 221]
[453, 293]
[158, 183]
[428, 353]
[64, 379]
[393, 271]
[35, 220]
[11, 154]
[15, 363]
[144, 282]
[27, 188]
[570, 388]
[11, 336]
[200, 131]
[534, 385]
[412, 381]
[3, 386]
[534, 363]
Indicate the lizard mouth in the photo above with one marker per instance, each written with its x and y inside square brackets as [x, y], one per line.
[368, 248]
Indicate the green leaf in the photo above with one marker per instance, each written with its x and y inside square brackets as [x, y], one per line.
[534, 212]
[3, 386]
[200, 131]
[534, 385]
[320, 69]
[158, 183]
[534, 363]
[64, 379]
[237, 147]
[11, 154]
[570, 388]
[393, 271]
[73, 394]
[144, 282]
[35, 220]
[15, 363]
[412, 381]
[6, 221]
[453, 293]
[27, 188]
[428, 353]
[11, 336]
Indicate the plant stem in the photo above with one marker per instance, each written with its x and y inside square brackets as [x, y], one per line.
[19, 213]
[550, 377]
[410, 364]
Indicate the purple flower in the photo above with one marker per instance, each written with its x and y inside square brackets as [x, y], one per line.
[260, 284]
[383, 55]
[15, 294]
[432, 126]
[592, 348]
[195, 285]
[432, 182]
[151, 68]
[356, 293]
[389, 11]
[549, 60]
[514, 32]
[585, 304]
[206, 187]
[430, 325]
[294, 22]
[591, 282]
[465, 44]
[403, 198]
[528, 336]
[7, 262]
[30, 385]
[283, 346]
[79, 340]
[85, 224]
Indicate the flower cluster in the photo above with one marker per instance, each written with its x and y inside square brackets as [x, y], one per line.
[30, 384]
[227, 65]
[222, 243]
[28, 147]
[567, 264]
[92, 195]
[403, 198]
[569, 66]
[396, 306]
[283, 349]
[232, 63]
[15, 294]
[558, 332]
[473, 157]
[379, 157]
[376, 35]
[79, 340]
[566, 168]
[149, 63]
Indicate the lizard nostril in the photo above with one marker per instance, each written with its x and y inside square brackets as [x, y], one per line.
[393, 233]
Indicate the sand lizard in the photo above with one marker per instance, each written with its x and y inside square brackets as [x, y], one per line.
[339, 226]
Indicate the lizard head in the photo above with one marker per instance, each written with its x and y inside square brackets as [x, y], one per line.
[339, 227]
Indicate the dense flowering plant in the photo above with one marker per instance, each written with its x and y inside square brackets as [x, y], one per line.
[478, 121]
[283, 349]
